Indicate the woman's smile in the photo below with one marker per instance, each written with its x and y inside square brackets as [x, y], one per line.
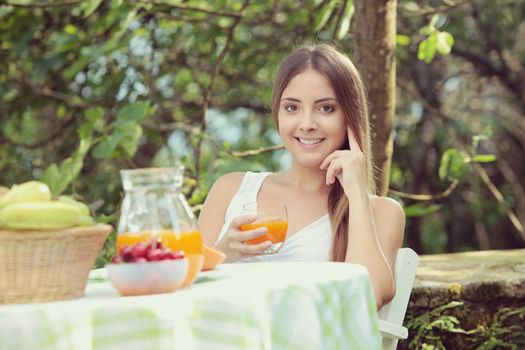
[309, 143]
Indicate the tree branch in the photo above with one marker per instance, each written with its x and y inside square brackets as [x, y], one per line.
[44, 91]
[426, 197]
[432, 10]
[214, 74]
[45, 4]
[193, 8]
[255, 152]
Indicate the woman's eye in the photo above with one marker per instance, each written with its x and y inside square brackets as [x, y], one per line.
[290, 108]
[327, 109]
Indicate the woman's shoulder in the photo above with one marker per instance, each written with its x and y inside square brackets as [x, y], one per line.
[387, 206]
[228, 183]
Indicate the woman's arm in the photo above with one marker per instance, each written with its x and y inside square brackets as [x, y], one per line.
[211, 218]
[375, 233]
[375, 226]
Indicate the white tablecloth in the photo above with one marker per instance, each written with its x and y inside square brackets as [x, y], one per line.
[237, 306]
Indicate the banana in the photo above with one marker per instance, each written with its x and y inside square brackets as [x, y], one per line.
[40, 215]
[31, 191]
[86, 220]
[84, 210]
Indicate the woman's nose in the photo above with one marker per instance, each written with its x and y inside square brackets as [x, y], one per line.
[308, 122]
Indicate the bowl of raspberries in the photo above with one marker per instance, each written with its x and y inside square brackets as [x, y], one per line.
[147, 269]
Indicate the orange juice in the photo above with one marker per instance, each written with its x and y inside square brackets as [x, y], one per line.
[190, 242]
[132, 239]
[276, 231]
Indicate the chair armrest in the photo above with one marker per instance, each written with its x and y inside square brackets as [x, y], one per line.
[392, 330]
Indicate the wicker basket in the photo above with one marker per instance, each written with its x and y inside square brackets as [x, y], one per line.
[47, 265]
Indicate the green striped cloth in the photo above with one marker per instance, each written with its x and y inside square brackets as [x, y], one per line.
[237, 306]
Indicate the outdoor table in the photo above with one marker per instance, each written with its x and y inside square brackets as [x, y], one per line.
[300, 305]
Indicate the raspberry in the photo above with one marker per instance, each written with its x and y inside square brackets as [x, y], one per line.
[138, 251]
[127, 253]
[154, 255]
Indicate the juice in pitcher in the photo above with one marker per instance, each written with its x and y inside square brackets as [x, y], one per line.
[132, 238]
[191, 243]
[154, 207]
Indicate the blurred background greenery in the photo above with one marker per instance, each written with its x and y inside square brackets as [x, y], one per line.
[88, 88]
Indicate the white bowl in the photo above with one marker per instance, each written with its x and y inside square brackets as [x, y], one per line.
[150, 277]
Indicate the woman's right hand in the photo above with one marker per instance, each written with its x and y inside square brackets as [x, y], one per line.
[233, 241]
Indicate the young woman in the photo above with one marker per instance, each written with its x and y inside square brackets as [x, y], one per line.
[320, 109]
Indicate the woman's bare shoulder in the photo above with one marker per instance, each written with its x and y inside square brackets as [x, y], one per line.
[389, 218]
[388, 211]
[228, 183]
[211, 217]
[386, 203]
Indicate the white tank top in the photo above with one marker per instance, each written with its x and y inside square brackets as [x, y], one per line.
[311, 243]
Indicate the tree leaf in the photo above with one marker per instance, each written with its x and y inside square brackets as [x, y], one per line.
[484, 158]
[323, 16]
[51, 177]
[346, 20]
[402, 40]
[76, 67]
[104, 150]
[444, 42]
[132, 113]
[58, 178]
[89, 6]
[427, 49]
[93, 117]
[454, 165]
[130, 139]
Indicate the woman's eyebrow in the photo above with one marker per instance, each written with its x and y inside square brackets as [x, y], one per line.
[316, 101]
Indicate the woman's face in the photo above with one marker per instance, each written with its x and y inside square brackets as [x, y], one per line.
[311, 122]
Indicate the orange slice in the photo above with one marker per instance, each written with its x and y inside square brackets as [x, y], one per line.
[212, 258]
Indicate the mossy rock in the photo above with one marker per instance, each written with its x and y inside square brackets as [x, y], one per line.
[473, 300]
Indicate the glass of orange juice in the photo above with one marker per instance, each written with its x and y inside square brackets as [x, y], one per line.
[274, 217]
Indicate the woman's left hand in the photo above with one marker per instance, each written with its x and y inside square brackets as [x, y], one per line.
[348, 166]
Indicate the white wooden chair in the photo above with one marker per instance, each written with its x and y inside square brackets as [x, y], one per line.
[391, 315]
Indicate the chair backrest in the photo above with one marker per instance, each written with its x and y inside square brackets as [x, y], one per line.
[404, 274]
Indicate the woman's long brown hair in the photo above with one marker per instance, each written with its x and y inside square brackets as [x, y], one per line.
[350, 93]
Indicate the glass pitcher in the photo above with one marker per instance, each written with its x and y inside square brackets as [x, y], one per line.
[154, 208]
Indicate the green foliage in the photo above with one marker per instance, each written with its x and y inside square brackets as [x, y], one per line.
[324, 14]
[432, 329]
[418, 209]
[402, 40]
[429, 326]
[454, 165]
[346, 19]
[58, 178]
[436, 41]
